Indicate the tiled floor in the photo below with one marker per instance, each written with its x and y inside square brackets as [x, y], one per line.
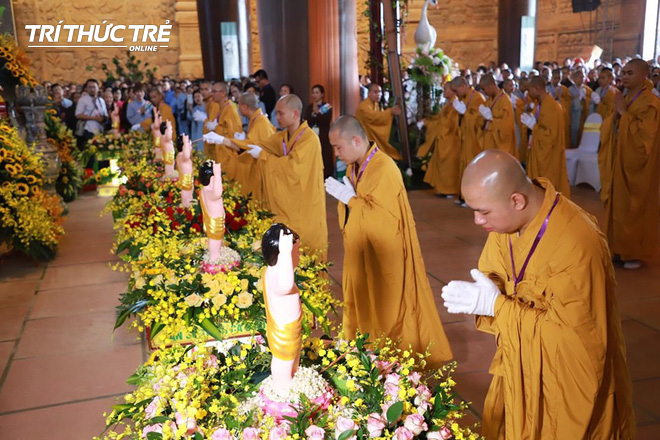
[61, 366]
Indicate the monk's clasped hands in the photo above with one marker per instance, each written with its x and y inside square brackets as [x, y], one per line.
[528, 120]
[476, 298]
[213, 138]
[340, 191]
[459, 106]
[486, 112]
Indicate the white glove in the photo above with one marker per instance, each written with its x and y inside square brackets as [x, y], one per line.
[459, 106]
[199, 116]
[583, 94]
[211, 125]
[213, 138]
[136, 127]
[420, 124]
[254, 151]
[476, 298]
[340, 191]
[595, 98]
[239, 136]
[528, 120]
[486, 112]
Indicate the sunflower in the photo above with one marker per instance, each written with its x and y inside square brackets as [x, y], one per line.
[34, 190]
[22, 189]
[31, 180]
[11, 169]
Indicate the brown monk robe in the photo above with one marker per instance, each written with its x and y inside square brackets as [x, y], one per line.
[499, 132]
[470, 121]
[630, 172]
[560, 370]
[247, 171]
[165, 111]
[442, 138]
[376, 122]
[546, 157]
[212, 108]
[386, 289]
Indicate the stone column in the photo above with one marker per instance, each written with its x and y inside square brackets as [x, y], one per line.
[509, 27]
[324, 42]
[190, 49]
[348, 55]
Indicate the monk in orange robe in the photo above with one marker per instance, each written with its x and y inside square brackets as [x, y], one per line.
[470, 120]
[212, 108]
[630, 173]
[580, 105]
[604, 101]
[376, 122]
[499, 131]
[165, 111]
[546, 156]
[386, 289]
[224, 122]
[442, 137]
[247, 171]
[292, 170]
[545, 288]
[520, 107]
[562, 95]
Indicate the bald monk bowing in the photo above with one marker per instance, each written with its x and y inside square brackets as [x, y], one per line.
[442, 138]
[259, 128]
[292, 171]
[602, 100]
[545, 289]
[376, 122]
[499, 131]
[546, 156]
[386, 290]
[628, 160]
[470, 120]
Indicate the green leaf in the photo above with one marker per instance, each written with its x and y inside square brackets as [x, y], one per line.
[156, 328]
[394, 412]
[212, 329]
[159, 419]
[198, 436]
[121, 318]
[123, 246]
[346, 434]
[154, 436]
[340, 384]
[134, 379]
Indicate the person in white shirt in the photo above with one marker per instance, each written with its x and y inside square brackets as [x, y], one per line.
[91, 109]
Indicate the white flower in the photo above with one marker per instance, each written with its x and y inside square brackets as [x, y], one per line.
[415, 423]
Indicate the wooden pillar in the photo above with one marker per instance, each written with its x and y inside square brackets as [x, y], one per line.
[324, 42]
[509, 29]
[284, 41]
[376, 43]
[348, 50]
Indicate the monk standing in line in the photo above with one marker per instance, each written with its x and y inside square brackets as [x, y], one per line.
[545, 288]
[546, 156]
[386, 289]
[376, 122]
[292, 171]
[499, 130]
[629, 168]
[442, 138]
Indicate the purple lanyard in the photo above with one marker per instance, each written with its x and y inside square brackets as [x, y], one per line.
[496, 99]
[355, 180]
[518, 278]
[294, 143]
[635, 98]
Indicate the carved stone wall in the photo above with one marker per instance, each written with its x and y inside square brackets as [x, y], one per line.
[77, 64]
[467, 29]
[254, 35]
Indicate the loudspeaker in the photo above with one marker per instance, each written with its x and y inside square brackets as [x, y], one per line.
[585, 5]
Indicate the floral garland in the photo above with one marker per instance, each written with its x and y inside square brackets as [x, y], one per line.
[30, 219]
[14, 64]
[70, 180]
[429, 67]
[162, 246]
[214, 392]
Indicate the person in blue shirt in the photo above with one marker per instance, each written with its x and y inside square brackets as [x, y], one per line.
[196, 127]
[138, 109]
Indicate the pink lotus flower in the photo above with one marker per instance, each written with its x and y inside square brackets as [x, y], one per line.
[250, 434]
[278, 433]
[402, 433]
[375, 425]
[345, 424]
[152, 428]
[315, 433]
[415, 423]
[221, 434]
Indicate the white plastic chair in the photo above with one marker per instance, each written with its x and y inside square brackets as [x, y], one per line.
[582, 162]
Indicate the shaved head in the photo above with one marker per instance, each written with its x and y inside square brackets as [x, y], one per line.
[497, 173]
[292, 102]
[249, 99]
[538, 82]
[345, 127]
[496, 187]
[639, 65]
[634, 74]
[487, 80]
[457, 82]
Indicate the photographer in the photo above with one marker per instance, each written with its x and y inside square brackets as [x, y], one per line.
[91, 113]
